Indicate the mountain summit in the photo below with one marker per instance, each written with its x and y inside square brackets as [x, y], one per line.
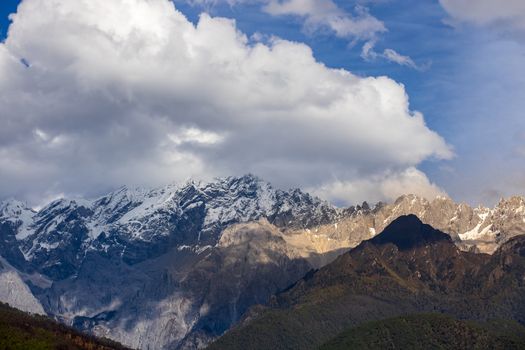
[408, 231]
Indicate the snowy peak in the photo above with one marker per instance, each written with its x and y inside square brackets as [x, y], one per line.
[19, 215]
[13, 209]
[63, 208]
[114, 205]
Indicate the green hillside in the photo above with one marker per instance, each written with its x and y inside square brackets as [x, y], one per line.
[21, 331]
[430, 331]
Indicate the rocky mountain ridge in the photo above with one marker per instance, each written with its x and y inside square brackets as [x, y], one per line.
[477, 229]
[139, 224]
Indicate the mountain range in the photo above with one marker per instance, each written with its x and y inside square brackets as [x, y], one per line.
[176, 267]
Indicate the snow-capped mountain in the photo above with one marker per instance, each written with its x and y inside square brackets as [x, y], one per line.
[138, 224]
[175, 267]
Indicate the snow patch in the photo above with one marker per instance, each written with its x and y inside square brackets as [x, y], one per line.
[475, 233]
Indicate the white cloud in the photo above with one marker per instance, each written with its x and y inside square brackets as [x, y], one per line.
[387, 186]
[130, 91]
[320, 14]
[394, 56]
[508, 13]
[193, 135]
[368, 53]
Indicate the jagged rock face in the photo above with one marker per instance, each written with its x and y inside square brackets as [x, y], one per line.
[507, 219]
[476, 229]
[176, 266]
[15, 292]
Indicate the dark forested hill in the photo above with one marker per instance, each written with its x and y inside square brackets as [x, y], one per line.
[22, 331]
[430, 331]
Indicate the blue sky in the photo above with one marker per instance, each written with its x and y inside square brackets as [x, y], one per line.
[470, 87]
[6, 7]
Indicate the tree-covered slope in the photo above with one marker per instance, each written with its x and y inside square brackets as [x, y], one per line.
[430, 331]
[22, 331]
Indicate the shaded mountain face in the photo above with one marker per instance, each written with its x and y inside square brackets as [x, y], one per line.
[176, 266]
[408, 268]
[408, 232]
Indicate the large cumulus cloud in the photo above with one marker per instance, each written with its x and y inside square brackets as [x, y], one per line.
[98, 93]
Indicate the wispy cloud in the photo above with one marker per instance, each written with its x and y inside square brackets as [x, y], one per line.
[325, 14]
[368, 53]
[357, 26]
